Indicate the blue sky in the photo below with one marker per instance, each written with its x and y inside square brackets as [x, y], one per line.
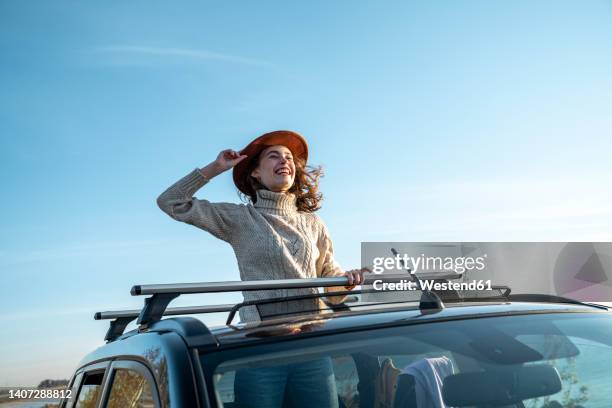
[434, 121]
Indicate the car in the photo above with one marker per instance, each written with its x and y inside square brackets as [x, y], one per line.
[487, 348]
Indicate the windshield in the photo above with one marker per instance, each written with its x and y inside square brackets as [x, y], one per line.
[538, 360]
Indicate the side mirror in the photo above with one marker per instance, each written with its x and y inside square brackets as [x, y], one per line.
[500, 387]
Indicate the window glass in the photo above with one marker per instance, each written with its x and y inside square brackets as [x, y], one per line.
[90, 390]
[345, 375]
[549, 360]
[130, 389]
[584, 377]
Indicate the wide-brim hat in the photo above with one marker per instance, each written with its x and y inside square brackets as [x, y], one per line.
[291, 140]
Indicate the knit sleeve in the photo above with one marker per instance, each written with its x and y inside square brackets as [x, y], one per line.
[220, 219]
[327, 266]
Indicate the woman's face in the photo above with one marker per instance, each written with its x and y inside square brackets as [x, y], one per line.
[276, 169]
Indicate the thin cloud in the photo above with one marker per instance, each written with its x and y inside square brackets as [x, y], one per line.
[137, 51]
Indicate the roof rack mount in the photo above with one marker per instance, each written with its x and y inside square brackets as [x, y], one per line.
[124, 317]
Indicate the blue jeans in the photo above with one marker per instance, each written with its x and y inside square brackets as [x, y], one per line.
[303, 385]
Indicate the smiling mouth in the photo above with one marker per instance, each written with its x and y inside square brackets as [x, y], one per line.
[283, 171]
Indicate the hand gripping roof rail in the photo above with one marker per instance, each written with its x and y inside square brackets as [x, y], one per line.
[163, 294]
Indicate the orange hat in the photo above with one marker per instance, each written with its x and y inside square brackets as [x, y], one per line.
[291, 140]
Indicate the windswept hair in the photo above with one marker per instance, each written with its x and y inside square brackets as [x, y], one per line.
[305, 186]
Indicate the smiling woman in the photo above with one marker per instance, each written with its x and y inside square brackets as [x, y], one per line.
[276, 161]
[276, 169]
[277, 235]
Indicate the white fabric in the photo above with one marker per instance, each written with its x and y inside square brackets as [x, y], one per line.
[429, 374]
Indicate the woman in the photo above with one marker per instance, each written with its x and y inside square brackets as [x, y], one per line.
[277, 235]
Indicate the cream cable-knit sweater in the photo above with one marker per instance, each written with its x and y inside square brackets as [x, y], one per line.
[271, 240]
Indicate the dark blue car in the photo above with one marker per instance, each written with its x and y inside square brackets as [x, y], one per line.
[492, 349]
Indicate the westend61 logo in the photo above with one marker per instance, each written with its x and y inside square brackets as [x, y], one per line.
[424, 263]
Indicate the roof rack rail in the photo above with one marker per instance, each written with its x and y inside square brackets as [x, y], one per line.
[540, 297]
[239, 286]
[124, 317]
[452, 297]
[163, 294]
[156, 305]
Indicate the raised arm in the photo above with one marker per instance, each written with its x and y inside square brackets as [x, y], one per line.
[217, 218]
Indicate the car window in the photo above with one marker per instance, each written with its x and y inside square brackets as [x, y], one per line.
[90, 390]
[359, 379]
[73, 390]
[346, 376]
[584, 377]
[130, 389]
[562, 358]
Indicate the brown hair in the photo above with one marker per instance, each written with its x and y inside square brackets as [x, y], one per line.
[305, 186]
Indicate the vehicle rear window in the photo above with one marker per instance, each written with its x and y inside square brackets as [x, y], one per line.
[540, 360]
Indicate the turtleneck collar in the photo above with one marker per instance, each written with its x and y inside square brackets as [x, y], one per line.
[276, 203]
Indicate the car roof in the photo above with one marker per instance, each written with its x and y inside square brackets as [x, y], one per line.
[196, 334]
[390, 315]
[360, 313]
